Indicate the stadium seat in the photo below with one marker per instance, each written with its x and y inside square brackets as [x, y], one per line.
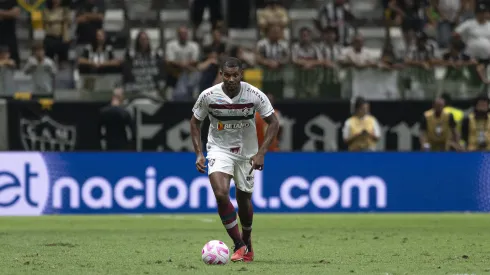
[243, 37]
[114, 20]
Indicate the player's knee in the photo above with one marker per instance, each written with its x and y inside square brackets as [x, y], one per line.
[221, 196]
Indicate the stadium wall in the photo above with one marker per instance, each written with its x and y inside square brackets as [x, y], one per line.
[34, 184]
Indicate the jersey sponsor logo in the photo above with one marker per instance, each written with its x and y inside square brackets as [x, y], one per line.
[230, 126]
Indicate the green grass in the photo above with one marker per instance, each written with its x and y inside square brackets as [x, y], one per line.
[284, 244]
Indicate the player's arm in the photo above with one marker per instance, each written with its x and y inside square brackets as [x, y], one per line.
[270, 133]
[200, 111]
[196, 134]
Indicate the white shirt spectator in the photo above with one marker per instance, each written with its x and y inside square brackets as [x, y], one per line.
[471, 29]
[43, 73]
[177, 52]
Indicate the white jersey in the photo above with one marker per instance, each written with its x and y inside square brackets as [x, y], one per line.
[232, 130]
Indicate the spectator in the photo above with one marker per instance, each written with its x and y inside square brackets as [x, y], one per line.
[272, 54]
[307, 59]
[449, 12]
[209, 69]
[90, 18]
[410, 14]
[361, 132]
[438, 129]
[9, 12]
[476, 126]
[336, 15]
[457, 64]
[473, 29]
[420, 62]
[116, 127]
[215, 11]
[98, 57]
[42, 69]
[57, 21]
[274, 13]
[388, 75]
[217, 44]
[358, 59]
[478, 49]
[331, 52]
[182, 57]
[7, 69]
[143, 69]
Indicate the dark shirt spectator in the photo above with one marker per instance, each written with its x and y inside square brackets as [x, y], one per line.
[9, 12]
[57, 21]
[98, 57]
[90, 17]
[336, 15]
[114, 124]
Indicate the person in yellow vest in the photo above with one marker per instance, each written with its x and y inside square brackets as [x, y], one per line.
[458, 114]
[475, 128]
[361, 131]
[438, 129]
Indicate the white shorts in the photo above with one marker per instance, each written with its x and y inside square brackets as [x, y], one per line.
[239, 169]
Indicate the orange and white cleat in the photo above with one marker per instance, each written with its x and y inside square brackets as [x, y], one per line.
[249, 257]
[239, 254]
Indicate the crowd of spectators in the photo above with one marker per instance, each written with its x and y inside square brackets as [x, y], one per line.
[454, 34]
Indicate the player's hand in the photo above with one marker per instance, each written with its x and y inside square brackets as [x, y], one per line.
[257, 162]
[201, 163]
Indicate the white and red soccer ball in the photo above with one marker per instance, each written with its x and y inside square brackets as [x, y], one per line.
[215, 253]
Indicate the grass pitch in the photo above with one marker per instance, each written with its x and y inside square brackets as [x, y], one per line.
[284, 244]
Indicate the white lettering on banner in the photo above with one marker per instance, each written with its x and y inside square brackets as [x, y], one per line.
[120, 197]
[287, 133]
[337, 193]
[24, 184]
[105, 199]
[163, 192]
[24, 190]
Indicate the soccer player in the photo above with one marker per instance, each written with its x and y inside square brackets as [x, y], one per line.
[232, 148]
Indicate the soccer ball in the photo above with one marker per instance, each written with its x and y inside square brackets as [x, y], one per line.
[215, 253]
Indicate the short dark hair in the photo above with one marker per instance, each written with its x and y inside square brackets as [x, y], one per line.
[231, 62]
[447, 98]
[359, 102]
[37, 45]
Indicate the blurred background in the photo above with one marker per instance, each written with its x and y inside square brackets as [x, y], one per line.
[76, 75]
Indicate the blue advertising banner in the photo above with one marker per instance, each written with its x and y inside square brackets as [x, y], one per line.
[102, 183]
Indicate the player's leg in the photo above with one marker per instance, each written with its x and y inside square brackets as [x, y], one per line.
[220, 174]
[246, 214]
[244, 188]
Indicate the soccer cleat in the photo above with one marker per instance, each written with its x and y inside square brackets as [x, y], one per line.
[248, 257]
[239, 253]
